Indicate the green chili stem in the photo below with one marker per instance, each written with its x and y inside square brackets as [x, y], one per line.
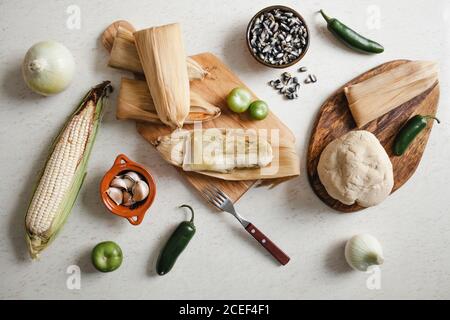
[327, 18]
[432, 117]
[192, 211]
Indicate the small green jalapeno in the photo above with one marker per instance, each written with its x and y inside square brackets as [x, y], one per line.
[409, 132]
[350, 37]
[177, 242]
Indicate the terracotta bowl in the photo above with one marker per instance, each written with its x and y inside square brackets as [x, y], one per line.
[121, 165]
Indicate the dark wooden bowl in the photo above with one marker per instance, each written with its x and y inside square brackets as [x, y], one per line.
[249, 29]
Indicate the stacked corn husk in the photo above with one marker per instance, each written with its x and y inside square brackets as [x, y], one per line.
[136, 103]
[166, 97]
[124, 55]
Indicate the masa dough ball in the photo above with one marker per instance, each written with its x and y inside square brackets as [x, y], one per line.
[356, 168]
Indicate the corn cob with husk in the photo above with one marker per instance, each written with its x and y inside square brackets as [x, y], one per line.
[124, 56]
[64, 172]
[161, 52]
[135, 103]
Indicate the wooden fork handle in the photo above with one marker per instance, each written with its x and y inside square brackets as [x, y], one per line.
[276, 252]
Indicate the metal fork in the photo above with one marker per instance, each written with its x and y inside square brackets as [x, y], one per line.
[222, 202]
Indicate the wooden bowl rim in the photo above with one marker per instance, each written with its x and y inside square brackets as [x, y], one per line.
[249, 46]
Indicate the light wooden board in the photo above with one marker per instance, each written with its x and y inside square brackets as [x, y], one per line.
[220, 81]
[334, 120]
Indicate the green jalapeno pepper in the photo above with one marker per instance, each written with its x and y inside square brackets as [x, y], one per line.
[409, 132]
[177, 242]
[350, 37]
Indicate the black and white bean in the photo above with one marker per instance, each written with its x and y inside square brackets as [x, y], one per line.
[289, 85]
[278, 37]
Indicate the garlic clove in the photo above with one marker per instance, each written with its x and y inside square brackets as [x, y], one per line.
[119, 182]
[363, 251]
[133, 176]
[140, 191]
[129, 183]
[115, 194]
[127, 199]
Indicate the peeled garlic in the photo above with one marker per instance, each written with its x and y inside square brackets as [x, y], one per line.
[115, 194]
[120, 183]
[140, 191]
[127, 199]
[363, 251]
[132, 176]
[127, 182]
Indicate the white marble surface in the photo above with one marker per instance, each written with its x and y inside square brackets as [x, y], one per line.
[222, 261]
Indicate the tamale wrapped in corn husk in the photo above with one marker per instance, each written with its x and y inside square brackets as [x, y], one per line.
[163, 58]
[230, 154]
[136, 103]
[110, 33]
[124, 56]
[372, 98]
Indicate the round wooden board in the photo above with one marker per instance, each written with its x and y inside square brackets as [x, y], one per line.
[334, 120]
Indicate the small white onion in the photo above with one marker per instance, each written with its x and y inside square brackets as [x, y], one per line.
[363, 251]
[48, 68]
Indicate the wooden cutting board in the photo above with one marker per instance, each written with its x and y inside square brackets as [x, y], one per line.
[334, 120]
[220, 81]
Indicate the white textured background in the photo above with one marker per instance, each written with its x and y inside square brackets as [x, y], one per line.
[222, 261]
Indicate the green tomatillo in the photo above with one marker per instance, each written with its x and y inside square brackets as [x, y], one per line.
[239, 100]
[107, 256]
[258, 110]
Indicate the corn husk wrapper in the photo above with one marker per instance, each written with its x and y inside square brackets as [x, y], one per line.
[110, 33]
[372, 98]
[135, 103]
[285, 162]
[124, 56]
[163, 58]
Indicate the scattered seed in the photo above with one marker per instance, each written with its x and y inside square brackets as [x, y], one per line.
[313, 78]
[288, 85]
[303, 69]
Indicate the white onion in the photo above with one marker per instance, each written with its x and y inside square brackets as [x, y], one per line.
[48, 68]
[363, 251]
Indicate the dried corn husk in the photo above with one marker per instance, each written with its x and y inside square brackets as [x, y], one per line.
[124, 56]
[109, 35]
[284, 161]
[195, 70]
[163, 58]
[370, 99]
[136, 103]
[123, 53]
